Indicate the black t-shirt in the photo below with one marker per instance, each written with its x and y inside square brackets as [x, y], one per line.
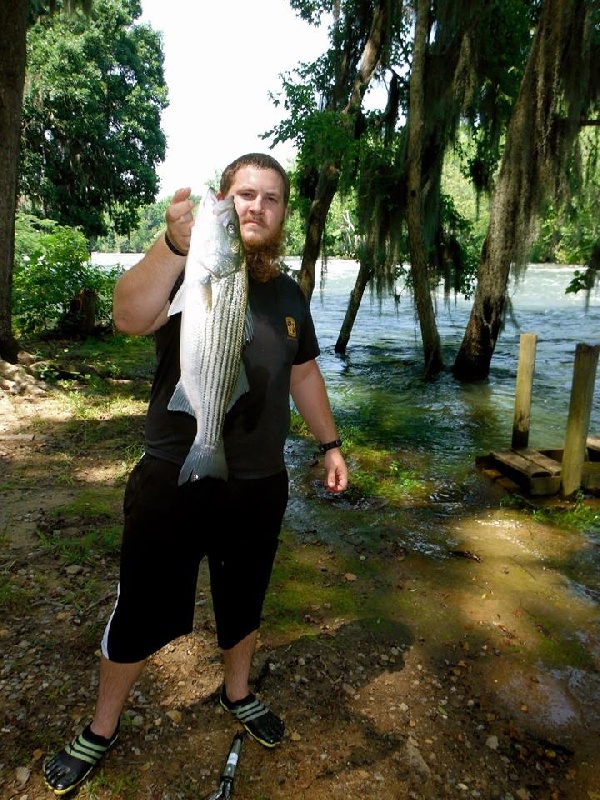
[256, 427]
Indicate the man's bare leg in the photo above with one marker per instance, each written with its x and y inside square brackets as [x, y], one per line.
[257, 719]
[116, 682]
[237, 661]
[71, 766]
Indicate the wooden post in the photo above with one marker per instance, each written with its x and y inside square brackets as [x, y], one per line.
[525, 370]
[580, 409]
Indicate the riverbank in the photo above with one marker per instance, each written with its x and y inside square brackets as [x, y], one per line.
[424, 638]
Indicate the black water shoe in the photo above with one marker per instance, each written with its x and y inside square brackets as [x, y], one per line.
[69, 767]
[260, 722]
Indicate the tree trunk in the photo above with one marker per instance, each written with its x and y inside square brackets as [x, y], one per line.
[79, 321]
[542, 127]
[365, 273]
[13, 38]
[324, 194]
[329, 173]
[414, 210]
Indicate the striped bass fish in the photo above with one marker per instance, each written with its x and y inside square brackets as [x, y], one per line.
[215, 323]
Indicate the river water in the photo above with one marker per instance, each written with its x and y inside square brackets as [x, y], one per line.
[379, 380]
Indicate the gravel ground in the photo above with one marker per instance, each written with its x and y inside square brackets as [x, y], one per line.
[375, 709]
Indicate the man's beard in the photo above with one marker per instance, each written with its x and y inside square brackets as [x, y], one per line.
[263, 261]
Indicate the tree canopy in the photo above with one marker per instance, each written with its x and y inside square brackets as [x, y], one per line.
[448, 69]
[91, 135]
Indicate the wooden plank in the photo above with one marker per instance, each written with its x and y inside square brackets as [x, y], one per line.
[544, 486]
[544, 461]
[592, 443]
[525, 370]
[555, 454]
[512, 478]
[521, 463]
[578, 421]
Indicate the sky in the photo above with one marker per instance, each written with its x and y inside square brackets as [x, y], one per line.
[221, 60]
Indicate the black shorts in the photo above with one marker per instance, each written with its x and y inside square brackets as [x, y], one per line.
[168, 530]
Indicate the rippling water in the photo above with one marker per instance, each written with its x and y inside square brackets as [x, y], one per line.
[379, 381]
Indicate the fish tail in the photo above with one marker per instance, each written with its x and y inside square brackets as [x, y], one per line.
[203, 463]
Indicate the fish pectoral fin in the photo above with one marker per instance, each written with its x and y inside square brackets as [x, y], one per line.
[178, 301]
[179, 401]
[203, 286]
[240, 388]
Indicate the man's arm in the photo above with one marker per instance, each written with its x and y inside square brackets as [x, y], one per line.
[309, 394]
[141, 296]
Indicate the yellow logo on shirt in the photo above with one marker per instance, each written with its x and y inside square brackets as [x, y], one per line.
[290, 324]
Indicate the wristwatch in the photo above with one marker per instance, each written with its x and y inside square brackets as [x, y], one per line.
[323, 448]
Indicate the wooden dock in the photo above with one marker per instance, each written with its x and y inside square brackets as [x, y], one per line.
[539, 472]
[565, 470]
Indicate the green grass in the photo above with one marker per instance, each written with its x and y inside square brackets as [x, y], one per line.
[118, 357]
[82, 547]
[12, 597]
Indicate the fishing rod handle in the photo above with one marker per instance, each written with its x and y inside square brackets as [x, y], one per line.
[233, 757]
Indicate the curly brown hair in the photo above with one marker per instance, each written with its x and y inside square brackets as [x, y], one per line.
[260, 161]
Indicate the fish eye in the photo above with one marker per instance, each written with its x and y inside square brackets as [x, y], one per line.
[231, 229]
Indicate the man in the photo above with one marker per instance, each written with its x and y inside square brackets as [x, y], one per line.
[169, 529]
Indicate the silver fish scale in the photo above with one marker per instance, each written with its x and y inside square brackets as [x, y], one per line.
[224, 337]
[213, 301]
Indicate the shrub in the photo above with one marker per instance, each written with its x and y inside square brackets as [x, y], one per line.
[52, 269]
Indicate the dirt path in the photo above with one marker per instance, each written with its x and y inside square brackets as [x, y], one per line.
[401, 672]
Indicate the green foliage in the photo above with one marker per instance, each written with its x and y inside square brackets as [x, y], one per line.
[503, 34]
[151, 220]
[91, 117]
[51, 268]
[295, 232]
[567, 235]
[582, 281]
[459, 247]
[340, 238]
[570, 226]
[577, 516]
